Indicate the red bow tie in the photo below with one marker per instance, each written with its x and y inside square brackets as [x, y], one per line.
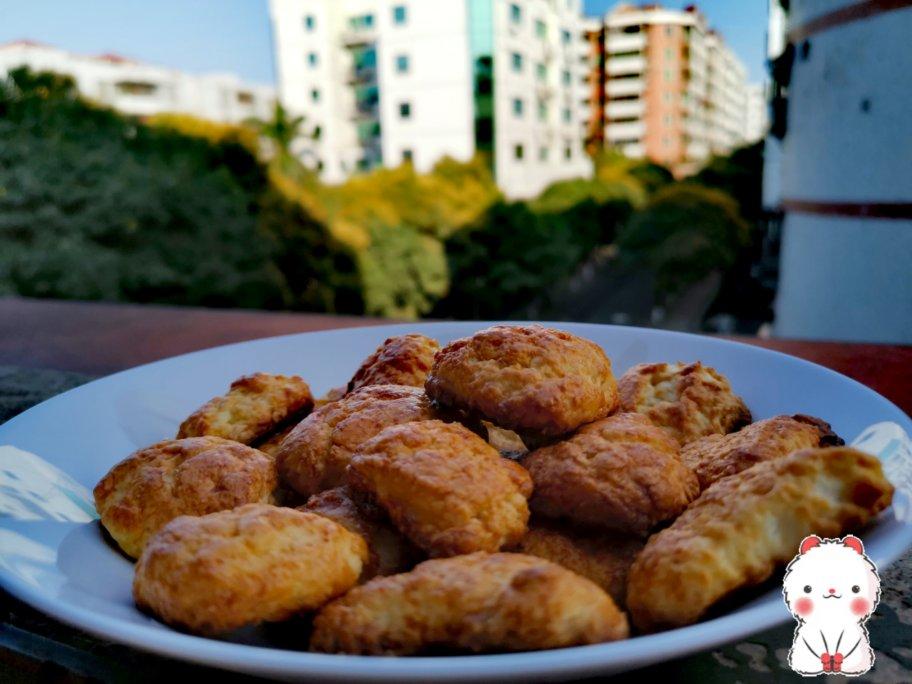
[831, 663]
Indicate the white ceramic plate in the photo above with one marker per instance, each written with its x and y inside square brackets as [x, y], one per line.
[65, 568]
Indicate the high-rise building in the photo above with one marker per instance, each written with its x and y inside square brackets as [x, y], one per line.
[674, 92]
[143, 89]
[386, 81]
[756, 120]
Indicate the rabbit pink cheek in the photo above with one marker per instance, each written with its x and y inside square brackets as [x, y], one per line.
[804, 606]
[860, 606]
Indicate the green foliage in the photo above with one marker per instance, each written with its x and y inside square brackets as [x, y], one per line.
[404, 272]
[740, 174]
[684, 233]
[515, 254]
[96, 206]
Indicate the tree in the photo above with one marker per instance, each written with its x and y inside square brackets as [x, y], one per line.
[684, 233]
[281, 130]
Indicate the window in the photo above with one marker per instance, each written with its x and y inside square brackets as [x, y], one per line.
[405, 110]
[541, 72]
[364, 21]
[136, 88]
[543, 154]
[516, 60]
[566, 77]
[310, 22]
[317, 132]
[313, 59]
[518, 152]
[669, 30]
[515, 13]
[245, 97]
[667, 75]
[668, 119]
[669, 54]
[406, 156]
[666, 141]
[565, 37]
[542, 111]
[319, 164]
[402, 64]
[568, 152]
[517, 106]
[400, 15]
[568, 115]
[540, 29]
[667, 96]
[315, 95]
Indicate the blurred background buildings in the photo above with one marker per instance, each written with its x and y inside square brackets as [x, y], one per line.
[142, 89]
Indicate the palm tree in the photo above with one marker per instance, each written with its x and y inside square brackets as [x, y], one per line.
[281, 130]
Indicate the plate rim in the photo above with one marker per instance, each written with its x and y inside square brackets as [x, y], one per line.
[562, 662]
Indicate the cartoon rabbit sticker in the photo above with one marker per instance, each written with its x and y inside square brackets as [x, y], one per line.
[831, 588]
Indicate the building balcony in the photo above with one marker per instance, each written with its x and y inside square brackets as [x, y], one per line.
[625, 42]
[634, 151]
[620, 110]
[362, 74]
[625, 86]
[361, 36]
[625, 131]
[618, 66]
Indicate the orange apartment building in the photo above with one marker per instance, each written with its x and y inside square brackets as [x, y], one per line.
[665, 87]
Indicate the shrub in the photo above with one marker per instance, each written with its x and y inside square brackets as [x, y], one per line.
[684, 233]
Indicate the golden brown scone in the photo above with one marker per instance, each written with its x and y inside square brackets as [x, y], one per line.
[536, 381]
[332, 395]
[602, 558]
[389, 551]
[315, 454]
[270, 444]
[621, 473]
[443, 487]
[400, 360]
[256, 563]
[691, 400]
[192, 476]
[479, 602]
[718, 456]
[745, 526]
[254, 406]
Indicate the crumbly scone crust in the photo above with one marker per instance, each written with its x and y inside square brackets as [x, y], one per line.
[717, 456]
[443, 487]
[527, 378]
[400, 360]
[621, 473]
[316, 452]
[256, 563]
[480, 602]
[191, 476]
[254, 406]
[691, 400]
[746, 525]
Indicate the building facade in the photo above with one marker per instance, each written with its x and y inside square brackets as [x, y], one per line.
[382, 82]
[836, 165]
[143, 89]
[674, 92]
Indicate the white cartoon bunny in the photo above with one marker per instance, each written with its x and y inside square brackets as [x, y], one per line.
[831, 589]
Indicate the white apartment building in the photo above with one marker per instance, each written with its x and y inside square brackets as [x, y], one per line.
[386, 81]
[674, 92]
[756, 120]
[144, 89]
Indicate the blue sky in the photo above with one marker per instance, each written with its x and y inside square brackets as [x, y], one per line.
[234, 35]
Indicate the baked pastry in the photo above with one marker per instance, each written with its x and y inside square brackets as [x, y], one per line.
[256, 563]
[270, 444]
[388, 551]
[602, 558]
[690, 400]
[621, 473]
[314, 455]
[192, 476]
[443, 487]
[479, 602]
[400, 360]
[717, 456]
[533, 380]
[254, 406]
[746, 525]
